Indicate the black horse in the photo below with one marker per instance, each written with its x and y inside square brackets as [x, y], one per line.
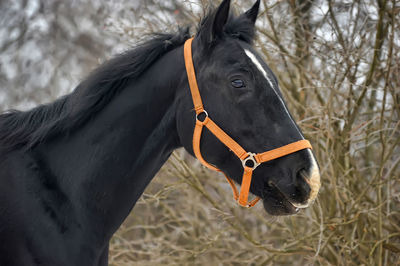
[71, 170]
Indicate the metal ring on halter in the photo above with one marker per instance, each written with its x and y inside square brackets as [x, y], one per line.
[251, 158]
[202, 112]
[245, 206]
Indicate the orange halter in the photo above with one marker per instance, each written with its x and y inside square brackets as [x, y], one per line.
[249, 160]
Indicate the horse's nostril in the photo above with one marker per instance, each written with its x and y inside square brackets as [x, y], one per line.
[302, 179]
[302, 174]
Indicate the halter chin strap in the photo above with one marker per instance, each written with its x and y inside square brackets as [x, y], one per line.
[250, 161]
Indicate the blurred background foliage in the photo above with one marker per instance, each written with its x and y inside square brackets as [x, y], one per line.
[338, 64]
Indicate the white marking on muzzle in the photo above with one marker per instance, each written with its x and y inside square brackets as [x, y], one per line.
[314, 181]
[315, 178]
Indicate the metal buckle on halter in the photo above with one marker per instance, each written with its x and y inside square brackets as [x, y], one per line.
[250, 158]
[202, 112]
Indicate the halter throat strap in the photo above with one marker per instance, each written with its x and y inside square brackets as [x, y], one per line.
[250, 161]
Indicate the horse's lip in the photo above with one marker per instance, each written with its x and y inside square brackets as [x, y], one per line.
[295, 205]
[296, 209]
[298, 205]
[281, 196]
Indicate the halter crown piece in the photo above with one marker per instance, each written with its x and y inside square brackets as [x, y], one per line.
[250, 161]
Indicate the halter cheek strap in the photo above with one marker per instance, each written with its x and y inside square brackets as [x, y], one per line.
[250, 161]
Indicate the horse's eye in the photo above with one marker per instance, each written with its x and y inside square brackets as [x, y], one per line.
[238, 83]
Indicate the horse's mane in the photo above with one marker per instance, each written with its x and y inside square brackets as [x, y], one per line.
[25, 129]
[28, 128]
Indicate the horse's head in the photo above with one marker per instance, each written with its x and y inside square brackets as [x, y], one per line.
[241, 95]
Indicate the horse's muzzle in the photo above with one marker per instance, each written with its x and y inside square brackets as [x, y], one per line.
[286, 199]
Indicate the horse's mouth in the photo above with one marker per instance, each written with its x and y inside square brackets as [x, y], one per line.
[277, 203]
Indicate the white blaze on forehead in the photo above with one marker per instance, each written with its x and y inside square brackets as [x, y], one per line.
[259, 66]
[313, 178]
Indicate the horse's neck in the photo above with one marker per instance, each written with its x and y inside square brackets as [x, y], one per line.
[104, 166]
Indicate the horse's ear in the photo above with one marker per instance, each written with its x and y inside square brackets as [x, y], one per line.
[243, 27]
[252, 13]
[220, 18]
[213, 26]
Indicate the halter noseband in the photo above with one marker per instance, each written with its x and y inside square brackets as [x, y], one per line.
[250, 161]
